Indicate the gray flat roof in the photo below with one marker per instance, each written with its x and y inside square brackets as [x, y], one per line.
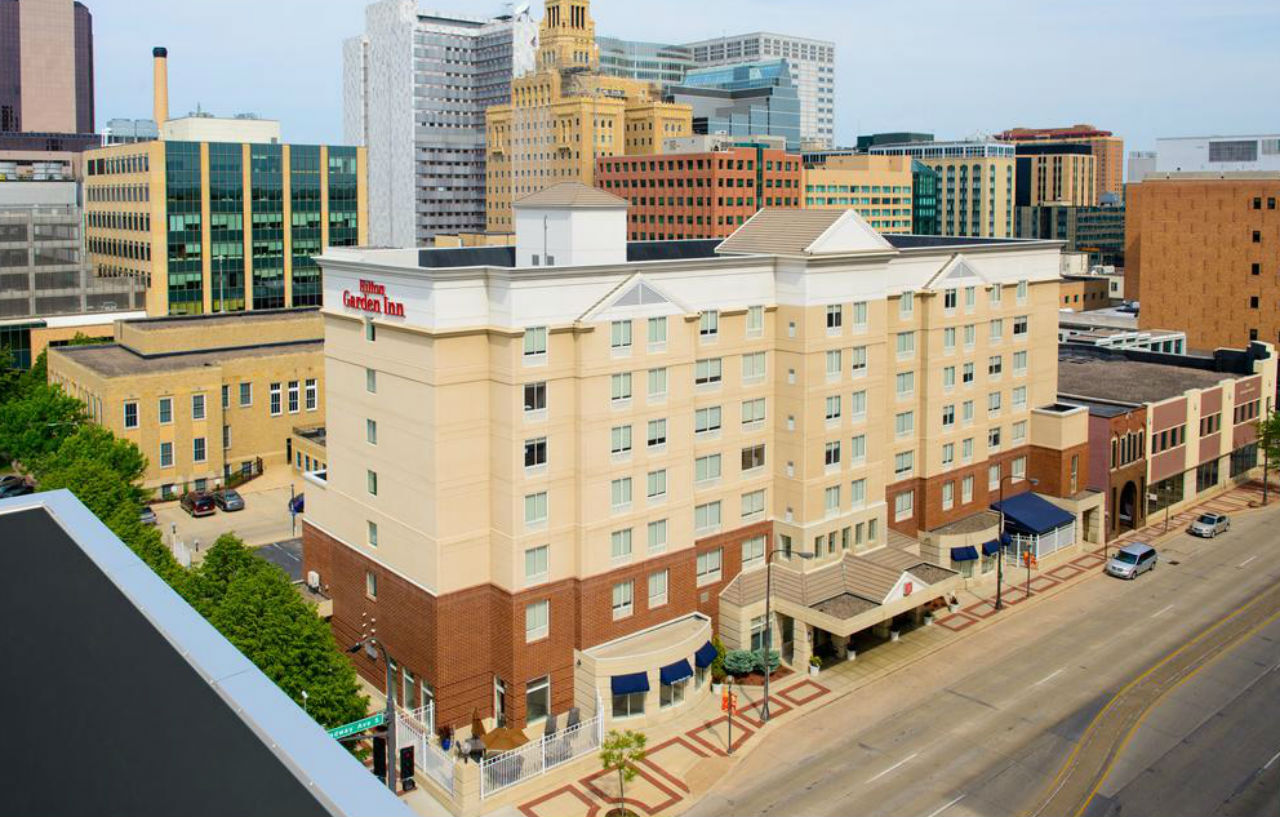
[250, 317]
[1130, 381]
[126, 701]
[114, 360]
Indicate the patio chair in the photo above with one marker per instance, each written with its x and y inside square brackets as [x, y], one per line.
[550, 728]
[575, 717]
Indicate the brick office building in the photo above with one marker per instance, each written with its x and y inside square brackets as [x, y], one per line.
[702, 194]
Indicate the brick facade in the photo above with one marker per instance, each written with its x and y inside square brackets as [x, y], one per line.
[929, 513]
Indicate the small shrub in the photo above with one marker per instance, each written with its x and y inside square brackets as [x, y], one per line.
[739, 662]
[775, 660]
[717, 663]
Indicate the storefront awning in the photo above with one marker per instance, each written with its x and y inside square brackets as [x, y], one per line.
[627, 684]
[967, 553]
[705, 655]
[1029, 513]
[990, 548]
[674, 673]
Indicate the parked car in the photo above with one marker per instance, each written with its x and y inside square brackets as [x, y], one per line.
[228, 500]
[198, 504]
[1210, 525]
[1132, 560]
[147, 515]
[10, 479]
[16, 487]
[297, 504]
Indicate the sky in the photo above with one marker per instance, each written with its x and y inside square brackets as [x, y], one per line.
[1141, 68]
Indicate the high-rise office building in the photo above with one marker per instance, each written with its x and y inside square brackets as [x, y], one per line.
[1106, 147]
[742, 100]
[415, 89]
[812, 68]
[924, 199]
[46, 69]
[1097, 231]
[975, 184]
[1058, 174]
[567, 114]
[648, 62]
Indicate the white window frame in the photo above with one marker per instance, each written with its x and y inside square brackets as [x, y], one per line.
[537, 509]
[656, 536]
[707, 517]
[131, 404]
[537, 564]
[537, 620]
[710, 563]
[659, 590]
[620, 545]
[623, 599]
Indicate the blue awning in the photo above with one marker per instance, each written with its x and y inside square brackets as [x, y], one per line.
[627, 684]
[990, 548]
[966, 553]
[673, 673]
[705, 655]
[1028, 513]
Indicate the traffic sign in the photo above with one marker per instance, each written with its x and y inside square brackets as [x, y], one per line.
[358, 726]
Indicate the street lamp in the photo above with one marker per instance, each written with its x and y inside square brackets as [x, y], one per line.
[368, 643]
[768, 622]
[1000, 542]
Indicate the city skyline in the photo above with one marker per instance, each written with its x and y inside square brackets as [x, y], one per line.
[1157, 66]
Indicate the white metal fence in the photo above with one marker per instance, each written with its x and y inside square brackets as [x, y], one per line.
[414, 729]
[539, 756]
[1043, 544]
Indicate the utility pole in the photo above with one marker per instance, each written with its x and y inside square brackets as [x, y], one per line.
[1266, 454]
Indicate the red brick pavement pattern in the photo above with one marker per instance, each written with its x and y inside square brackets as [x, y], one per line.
[1041, 583]
[673, 797]
[530, 809]
[1065, 572]
[815, 691]
[776, 708]
[740, 730]
[957, 622]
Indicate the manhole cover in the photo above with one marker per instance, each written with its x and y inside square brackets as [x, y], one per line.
[1173, 562]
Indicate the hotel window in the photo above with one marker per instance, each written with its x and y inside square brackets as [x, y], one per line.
[752, 411]
[535, 451]
[620, 545]
[949, 340]
[166, 455]
[620, 387]
[755, 321]
[835, 318]
[1020, 326]
[948, 453]
[833, 407]
[372, 533]
[293, 396]
[371, 435]
[246, 395]
[197, 407]
[948, 416]
[904, 505]
[620, 335]
[859, 364]
[966, 449]
[860, 316]
[226, 396]
[949, 378]
[752, 458]
[620, 440]
[707, 370]
[993, 438]
[657, 433]
[858, 405]
[312, 394]
[858, 449]
[950, 298]
[1022, 291]
[904, 423]
[623, 598]
[657, 589]
[997, 330]
[709, 324]
[370, 330]
[706, 468]
[993, 477]
[370, 383]
[657, 384]
[709, 566]
[536, 564]
[630, 705]
[535, 508]
[993, 403]
[537, 619]
[706, 420]
[1020, 397]
[657, 533]
[948, 495]
[970, 335]
[656, 484]
[966, 490]
[620, 493]
[537, 699]
[371, 479]
[1019, 468]
[657, 332]
[1020, 431]
[535, 341]
[706, 517]
[995, 366]
[1019, 363]
[831, 454]
[535, 396]
[753, 504]
[970, 298]
[131, 414]
[906, 345]
[753, 366]
[371, 584]
[833, 364]
[831, 500]
[995, 294]
[903, 462]
[967, 374]
[198, 449]
[905, 384]
[906, 305]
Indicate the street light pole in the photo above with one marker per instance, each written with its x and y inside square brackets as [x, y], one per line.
[768, 625]
[390, 709]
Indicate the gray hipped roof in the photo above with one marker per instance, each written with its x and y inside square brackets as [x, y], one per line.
[571, 194]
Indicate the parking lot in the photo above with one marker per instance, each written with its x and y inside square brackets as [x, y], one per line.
[264, 520]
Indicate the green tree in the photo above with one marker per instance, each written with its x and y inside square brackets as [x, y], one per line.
[262, 614]
[223, 562]
[620, 752]
[1268, 428]
[97, 444]
[34, 422]
[95, 484]
[775, 660]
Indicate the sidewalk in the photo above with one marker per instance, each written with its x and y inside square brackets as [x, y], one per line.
[683, 762]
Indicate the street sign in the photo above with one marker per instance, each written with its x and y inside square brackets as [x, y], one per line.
[358, 726]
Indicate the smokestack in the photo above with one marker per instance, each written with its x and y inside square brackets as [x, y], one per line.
[160, 82]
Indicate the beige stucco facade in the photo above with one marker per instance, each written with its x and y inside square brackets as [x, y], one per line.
[878, 187]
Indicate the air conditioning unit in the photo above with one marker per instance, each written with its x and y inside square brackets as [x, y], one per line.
[313, 580]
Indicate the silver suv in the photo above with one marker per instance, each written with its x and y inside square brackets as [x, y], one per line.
[1132, 560]
[1210, 525]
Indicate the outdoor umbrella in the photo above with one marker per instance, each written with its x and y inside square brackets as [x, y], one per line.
[504, 739]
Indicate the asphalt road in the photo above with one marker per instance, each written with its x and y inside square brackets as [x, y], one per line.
[286, 555]
[983, 726]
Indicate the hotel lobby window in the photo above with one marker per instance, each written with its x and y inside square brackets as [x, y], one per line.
[628, 706]
[672, 694]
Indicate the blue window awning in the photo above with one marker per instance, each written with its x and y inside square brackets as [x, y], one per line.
[990, 548]
[967, 553]
[705, 655]
[674, 673]
[1028, 513]
[627, 684]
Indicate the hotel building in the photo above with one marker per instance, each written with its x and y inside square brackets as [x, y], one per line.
[975, 184]
[567, 114]
[556, 468]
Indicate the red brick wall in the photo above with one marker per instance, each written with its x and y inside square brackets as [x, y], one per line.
[929, 514]
[1053, 468]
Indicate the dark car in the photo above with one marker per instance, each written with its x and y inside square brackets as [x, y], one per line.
[198, 504]
[147, 515]
[228, 500]
[15, 487]
[296, 503]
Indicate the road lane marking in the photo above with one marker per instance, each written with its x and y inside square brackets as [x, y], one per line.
[1164, 609]
[1264, 768]
[1246, 561]
[1047, 677]
[961, 797]
[891, 768]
